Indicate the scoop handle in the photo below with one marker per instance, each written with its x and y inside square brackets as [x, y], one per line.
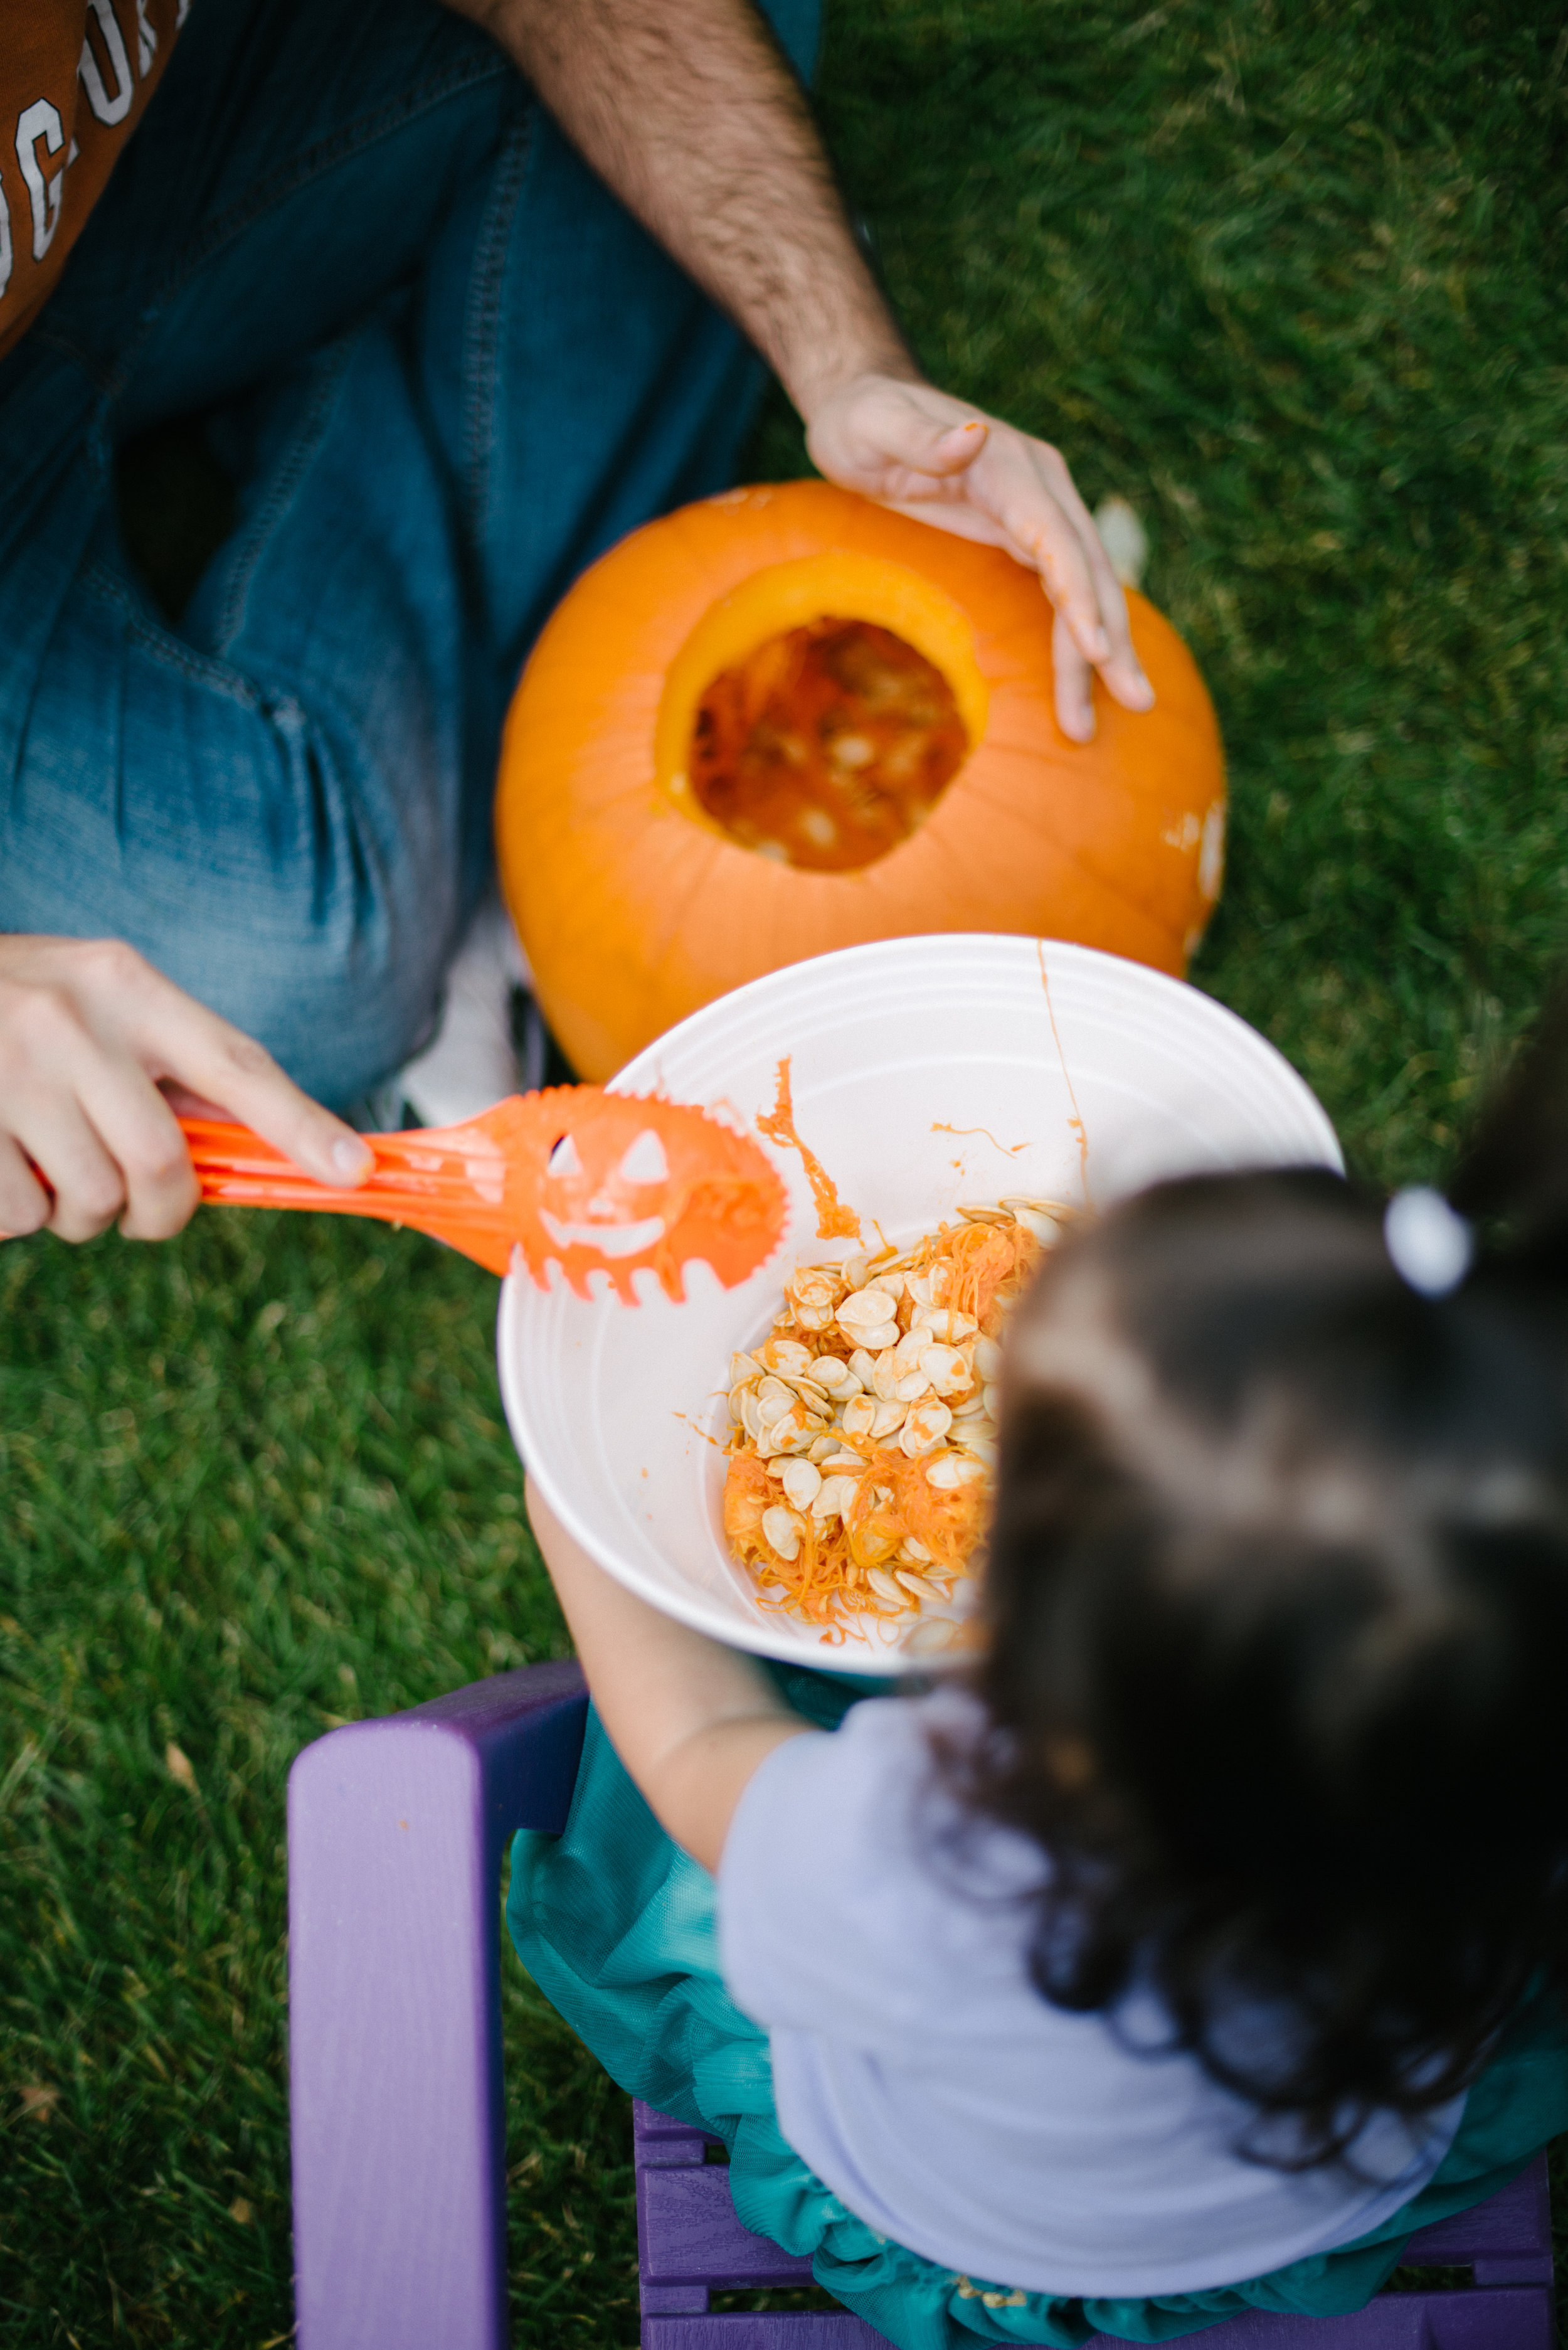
[235, 1168]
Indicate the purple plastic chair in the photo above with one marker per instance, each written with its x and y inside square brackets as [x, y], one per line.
[395, 1830]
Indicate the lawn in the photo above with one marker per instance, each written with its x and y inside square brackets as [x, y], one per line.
[1289, 278]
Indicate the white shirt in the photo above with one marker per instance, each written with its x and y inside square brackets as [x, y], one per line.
[920, 2074]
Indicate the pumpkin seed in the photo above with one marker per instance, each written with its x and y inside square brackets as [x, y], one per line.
[949, 1470]
[858, 1416]
[782, 1530]
[865, 1309]
[1044, 1228]
[925, 1428]
[862, 1330]
[813, 1291]
[834, 1496]
[946, 1369]
[802, 1484]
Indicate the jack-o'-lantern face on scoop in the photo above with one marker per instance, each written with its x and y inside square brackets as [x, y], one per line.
[618, 1183]
[644, 1170]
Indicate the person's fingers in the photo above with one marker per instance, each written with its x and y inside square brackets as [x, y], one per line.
[1051, 527]
[1060, 558]
[1122, 671]
[185, 1103]
[140, 1133]
[24, 1205]
[245, 1077]
[1075, 681]
[916, 450]
[896, 439]
[89, 1187]
[205, 1055]
[1127, 681]
[930, 445]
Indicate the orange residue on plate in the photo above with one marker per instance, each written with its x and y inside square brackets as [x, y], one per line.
[835, 1221]
[705, 1433]
[1076, 1121]
[1008, 1149]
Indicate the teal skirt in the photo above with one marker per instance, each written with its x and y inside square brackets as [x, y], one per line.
[615, 1925]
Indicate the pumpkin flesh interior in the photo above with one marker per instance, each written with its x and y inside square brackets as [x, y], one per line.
[826, 746]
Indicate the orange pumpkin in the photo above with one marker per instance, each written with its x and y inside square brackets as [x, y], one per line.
[634, 897]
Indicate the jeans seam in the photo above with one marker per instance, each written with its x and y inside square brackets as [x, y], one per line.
[482, 326]
[348, 140]
[304, 442]
[164, 646]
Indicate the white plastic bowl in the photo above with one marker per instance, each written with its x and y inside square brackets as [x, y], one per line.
[891, 1047]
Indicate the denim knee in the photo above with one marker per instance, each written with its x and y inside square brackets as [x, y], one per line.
[797, 27]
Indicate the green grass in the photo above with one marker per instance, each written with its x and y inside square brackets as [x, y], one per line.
[1290, 279]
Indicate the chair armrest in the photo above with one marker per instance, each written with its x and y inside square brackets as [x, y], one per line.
[1506, 2240]
[395, 1834]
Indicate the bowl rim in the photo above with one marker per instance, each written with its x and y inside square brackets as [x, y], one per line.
[642, 1074]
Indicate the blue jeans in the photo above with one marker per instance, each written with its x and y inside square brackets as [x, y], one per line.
[446, 370]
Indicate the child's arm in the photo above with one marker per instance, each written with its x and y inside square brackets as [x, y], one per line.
[690, 1719]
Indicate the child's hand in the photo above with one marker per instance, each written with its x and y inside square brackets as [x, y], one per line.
[691, 1719]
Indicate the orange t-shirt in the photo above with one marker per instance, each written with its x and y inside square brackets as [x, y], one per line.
[75, 76]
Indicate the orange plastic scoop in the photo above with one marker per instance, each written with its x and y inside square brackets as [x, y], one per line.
[596, 1182]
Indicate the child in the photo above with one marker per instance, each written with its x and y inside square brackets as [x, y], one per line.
[1204, 1937]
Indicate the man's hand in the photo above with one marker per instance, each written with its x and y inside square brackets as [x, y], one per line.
[918, 449]
[693, 118]
[97, 1053]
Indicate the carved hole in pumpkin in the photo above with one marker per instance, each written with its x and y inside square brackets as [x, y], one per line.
[826, 746]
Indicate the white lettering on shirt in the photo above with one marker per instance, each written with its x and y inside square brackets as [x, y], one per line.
[41, 120]
[107, 109]
[146, 41]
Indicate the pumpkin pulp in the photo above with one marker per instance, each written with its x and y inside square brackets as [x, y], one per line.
[826, 746]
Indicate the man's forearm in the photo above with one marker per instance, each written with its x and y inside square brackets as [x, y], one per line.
[687, 111]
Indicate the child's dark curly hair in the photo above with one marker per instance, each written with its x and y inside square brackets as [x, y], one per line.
[1277, 1604]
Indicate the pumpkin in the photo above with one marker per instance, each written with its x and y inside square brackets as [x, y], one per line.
[613, 1182]
[786, 721]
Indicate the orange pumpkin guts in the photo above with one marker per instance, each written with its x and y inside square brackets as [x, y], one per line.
[786, 721]
[827, 747]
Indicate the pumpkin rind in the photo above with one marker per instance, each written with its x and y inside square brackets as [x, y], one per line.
[633, 914]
